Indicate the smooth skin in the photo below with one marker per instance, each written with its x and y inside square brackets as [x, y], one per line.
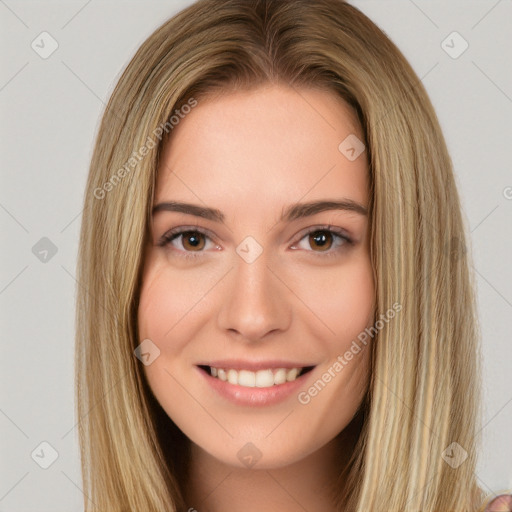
[251, 154]
[502, 503]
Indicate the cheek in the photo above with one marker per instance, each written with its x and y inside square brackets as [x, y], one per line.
[172, 310]
[354, 315]
[169, 300]
[353, 308]
[345, 303]
[158, 310]
[343, 300]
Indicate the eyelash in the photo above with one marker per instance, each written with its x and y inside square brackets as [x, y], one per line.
[176, 232]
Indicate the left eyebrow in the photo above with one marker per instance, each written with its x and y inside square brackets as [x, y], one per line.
[291, 213]
[300, 210]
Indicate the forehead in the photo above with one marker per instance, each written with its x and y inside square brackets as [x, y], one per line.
[249, 151]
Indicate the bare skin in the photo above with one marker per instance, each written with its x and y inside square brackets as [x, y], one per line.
[303, 300]
[502, 503]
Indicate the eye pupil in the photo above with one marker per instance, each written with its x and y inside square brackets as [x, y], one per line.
[194, 239]
[321, 238]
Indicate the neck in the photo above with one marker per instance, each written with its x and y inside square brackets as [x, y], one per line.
[308, 484]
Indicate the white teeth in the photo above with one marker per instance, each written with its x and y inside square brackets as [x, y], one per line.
[246, 378]
[264, 378]
[232, 376]
[280, 376]
[259, 379]
[292, 374]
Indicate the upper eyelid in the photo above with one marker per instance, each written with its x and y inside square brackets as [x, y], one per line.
[180, 230]
[324, 227]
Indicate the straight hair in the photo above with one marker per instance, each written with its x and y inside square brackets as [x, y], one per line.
[424, 391]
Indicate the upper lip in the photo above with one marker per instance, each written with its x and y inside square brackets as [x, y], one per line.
[239, 364]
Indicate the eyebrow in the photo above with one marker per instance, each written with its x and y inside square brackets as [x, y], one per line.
[291, 213]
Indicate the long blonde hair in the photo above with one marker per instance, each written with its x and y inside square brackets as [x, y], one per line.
[424, 389]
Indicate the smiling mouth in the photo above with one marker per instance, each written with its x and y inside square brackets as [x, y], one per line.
[265, 378]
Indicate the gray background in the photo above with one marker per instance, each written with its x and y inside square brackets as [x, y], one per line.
[50, 114]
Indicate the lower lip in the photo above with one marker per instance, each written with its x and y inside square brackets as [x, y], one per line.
[241, 395]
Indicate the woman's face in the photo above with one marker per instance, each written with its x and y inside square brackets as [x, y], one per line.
[268, 278]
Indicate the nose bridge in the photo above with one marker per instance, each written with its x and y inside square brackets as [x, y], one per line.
[255, 302]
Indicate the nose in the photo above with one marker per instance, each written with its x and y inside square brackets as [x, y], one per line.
[255, 302]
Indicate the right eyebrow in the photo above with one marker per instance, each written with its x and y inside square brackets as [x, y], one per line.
[191, 209]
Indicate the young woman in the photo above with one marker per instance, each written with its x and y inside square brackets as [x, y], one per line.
[276, 310]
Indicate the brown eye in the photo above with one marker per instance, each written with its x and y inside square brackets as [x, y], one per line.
[193, 240]
[321, 239]
[324, 241]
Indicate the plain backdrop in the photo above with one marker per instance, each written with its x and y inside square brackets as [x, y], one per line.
[51, 109]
